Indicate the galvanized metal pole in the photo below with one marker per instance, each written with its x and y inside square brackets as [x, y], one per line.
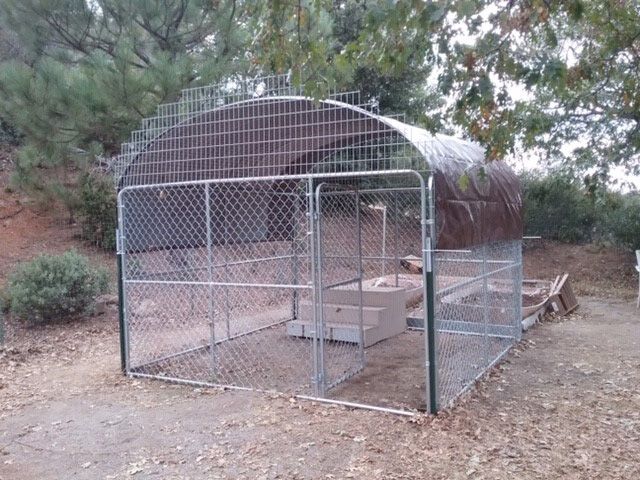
[122, 292]
[207, 196]
[432, 291]
[517, 280]
[396, 262]
[311, 238]
[360, 295]
[227, 312]
[320, 329]
[428, 262]
[294, 257]
[121, 322]
[485, 307]
[384, 237]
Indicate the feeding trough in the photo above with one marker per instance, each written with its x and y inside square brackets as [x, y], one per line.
[535, 295]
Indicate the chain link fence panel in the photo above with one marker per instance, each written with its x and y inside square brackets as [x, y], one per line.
[478, 313]
[259, 285]
[211, 280]
[264, 286]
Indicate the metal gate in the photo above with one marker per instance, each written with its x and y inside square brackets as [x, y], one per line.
[338, 285]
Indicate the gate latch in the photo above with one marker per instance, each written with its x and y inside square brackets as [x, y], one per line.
[118, 242]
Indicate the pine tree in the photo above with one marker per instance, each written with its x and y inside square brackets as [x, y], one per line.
[92, 70]
[394, 92]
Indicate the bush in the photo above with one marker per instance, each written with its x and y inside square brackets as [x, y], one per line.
[97, 211]
[624, 224]
[557, 207]
[4, 300]
[8, 134]
[52, 287]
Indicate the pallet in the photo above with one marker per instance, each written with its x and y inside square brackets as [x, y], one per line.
[562, 300]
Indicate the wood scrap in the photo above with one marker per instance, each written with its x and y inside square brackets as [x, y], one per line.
[412, 263]
[562, 299]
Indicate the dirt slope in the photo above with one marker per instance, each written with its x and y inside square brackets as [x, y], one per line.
[594, 270]
[28, 228]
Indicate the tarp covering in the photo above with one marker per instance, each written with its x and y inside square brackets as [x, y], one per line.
[489, 209]
[270, 137]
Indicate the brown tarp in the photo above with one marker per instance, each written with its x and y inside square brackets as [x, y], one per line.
[488, 210]
[289, 135]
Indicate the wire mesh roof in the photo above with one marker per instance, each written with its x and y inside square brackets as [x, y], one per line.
[267, 128]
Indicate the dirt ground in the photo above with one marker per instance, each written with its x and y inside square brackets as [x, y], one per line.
[564, 404]
[593, 269]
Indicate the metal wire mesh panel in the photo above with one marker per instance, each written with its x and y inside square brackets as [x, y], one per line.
[211, 279]
[391, 233]
[259, 284]
[271, 286]
[386, 222]
[478, 313]
[339, 284]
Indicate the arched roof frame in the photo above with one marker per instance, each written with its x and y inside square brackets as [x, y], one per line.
[271, 137]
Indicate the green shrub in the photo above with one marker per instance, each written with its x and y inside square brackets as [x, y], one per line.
[4, 300]
[624, 224]
[557, 207]
[52, 287]
[8, 134]
[97, 211]
[572, 234]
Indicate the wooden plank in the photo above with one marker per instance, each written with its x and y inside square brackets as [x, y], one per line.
[556, 305]
[570, 300]
[562, 300]
[560, 284]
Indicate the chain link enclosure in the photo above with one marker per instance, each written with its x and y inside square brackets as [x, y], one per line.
[271, 243]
